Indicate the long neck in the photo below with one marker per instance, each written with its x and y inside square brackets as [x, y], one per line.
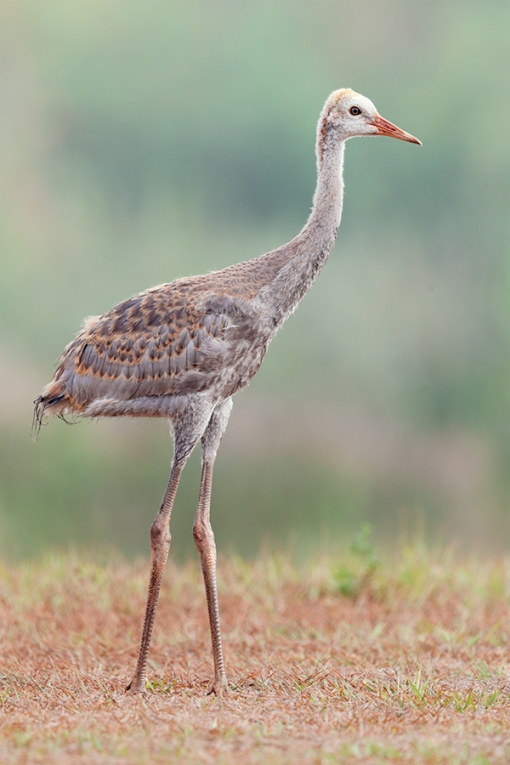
[306, 254]
[324, 220]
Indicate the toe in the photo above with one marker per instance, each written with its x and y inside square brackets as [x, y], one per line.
[219, 687]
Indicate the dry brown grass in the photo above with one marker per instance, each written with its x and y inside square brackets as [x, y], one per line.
[346, 660]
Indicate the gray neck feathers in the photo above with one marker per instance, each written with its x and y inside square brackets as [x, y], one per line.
[309, 250]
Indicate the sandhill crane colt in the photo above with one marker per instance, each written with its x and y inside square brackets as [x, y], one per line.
[181, 351]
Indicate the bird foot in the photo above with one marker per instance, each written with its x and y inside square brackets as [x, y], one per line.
[219, 687]
[135, 686]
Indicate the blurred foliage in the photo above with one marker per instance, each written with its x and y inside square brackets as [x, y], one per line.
[140, 142]
[351, 577]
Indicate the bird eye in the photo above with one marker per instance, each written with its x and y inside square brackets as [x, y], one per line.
[355, 110]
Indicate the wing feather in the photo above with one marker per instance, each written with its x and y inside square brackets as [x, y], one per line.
[159, 343]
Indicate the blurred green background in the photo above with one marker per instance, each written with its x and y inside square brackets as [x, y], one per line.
[140, 142]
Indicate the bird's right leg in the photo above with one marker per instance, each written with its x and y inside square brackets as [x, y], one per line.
[160, 545]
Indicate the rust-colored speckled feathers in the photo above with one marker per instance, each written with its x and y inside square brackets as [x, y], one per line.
[172, 340]
[145, 340]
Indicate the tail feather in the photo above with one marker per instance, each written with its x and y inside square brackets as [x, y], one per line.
[41, 405]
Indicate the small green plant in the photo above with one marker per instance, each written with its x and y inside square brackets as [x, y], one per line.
[492, 698]
[419, 688]
[160, 685]
[351, 579]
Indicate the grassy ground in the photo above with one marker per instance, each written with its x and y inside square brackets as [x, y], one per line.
[348, 659]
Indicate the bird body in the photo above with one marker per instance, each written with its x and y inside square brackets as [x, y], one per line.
[182, 350]
[201, 334]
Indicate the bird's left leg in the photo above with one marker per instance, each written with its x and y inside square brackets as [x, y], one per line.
[204, 538]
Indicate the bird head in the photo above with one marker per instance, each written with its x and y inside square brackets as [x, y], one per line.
[350, 115]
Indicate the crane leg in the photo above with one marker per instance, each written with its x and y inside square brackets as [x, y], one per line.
[160, 545]
[204, 539]
[187, 431]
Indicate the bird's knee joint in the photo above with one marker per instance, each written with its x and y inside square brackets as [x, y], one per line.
[160, 534]
[203, 534]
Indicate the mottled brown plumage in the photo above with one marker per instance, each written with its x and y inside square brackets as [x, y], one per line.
[171, 340]
[181, 350]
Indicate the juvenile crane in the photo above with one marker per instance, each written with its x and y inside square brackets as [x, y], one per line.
[181, 350]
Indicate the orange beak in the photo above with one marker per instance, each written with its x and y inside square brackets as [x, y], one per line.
[392, 131]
